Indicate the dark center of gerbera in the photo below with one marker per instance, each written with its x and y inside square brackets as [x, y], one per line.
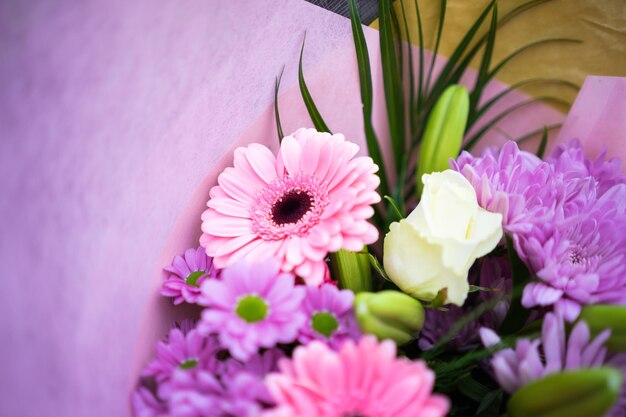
[291, 207]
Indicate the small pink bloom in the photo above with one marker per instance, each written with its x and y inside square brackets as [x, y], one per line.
[187, 273]
[313, 198]
[364, 379]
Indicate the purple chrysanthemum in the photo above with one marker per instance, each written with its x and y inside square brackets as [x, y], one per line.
[513, 183]
[329, 314]
[183, 348]
[533, 359]
[494, 273]
[569, 160]
[145, 404]
[566, 217]
[252, 306]
[581, 261]
[187, 273]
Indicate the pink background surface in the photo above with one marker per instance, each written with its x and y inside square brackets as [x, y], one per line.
[114, 122]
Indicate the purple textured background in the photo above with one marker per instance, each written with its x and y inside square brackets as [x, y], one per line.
[115, 118]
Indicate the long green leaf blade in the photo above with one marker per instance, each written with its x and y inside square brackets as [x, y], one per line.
[476, 136]
[485, 63]
[544, 142]
[392, 84]
[279, 128]
[442, 18]
[516, 53]
[365, 83]
[515, 87]
[315, 115]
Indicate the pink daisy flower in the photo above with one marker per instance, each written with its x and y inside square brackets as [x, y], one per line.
[252, 306]
[187, 273]
[313, 198]
[364, 379]
[330, 317]
[184, 348]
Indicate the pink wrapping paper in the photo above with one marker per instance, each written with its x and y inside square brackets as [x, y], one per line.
[115, 121]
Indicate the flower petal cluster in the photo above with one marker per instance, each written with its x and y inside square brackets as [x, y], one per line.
[192, 377]
[329, 316]
[553, 352]
[566, 217]
[186, 274]
[361, 379]
[313, 198]
[253, 306]
[435, 246]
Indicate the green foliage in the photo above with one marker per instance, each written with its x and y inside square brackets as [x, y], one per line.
[315, 115]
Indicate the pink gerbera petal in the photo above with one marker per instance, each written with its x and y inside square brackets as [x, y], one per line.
[313, 198]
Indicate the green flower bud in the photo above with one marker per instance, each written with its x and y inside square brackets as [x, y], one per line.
[580, 393]
[444, 132]
[352, 270]
[389, 315]
[602, 317]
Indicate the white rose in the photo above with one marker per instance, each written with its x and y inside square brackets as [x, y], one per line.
[436, 245]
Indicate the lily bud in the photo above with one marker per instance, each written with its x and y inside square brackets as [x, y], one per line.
[580, 393]
[602, 317]
[444, 132]
[389, 315]
[352, 270]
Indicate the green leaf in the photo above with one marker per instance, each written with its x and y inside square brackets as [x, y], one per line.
[279, 128]
[409, 47]
[442, 18]
[315, 115]
[365, 83]
[376, 265]
[535, 132]
[487, 126]
[455, 67]
[420, 73]
[472, 389]
[524, 48]
[483, 71]
[461, 323]
[517, 314]
[515, 87]
[396, 211]
[392, 83]
[544, 142]
[490, 404]
[352, 270]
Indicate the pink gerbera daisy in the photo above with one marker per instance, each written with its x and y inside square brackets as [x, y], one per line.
[313, 198]
[364, 379]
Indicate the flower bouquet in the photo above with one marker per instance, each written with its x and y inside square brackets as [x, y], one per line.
[426, 279]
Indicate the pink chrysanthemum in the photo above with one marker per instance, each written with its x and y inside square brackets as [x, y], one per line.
[187, 273]
[252, 306]
[184, 348]
[313, 198]
[364, 379]
[330, 317]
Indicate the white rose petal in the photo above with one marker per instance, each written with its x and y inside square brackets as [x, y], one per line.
[434, 247]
